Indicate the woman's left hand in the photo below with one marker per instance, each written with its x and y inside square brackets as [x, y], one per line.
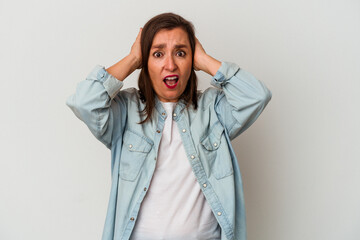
[203, 61]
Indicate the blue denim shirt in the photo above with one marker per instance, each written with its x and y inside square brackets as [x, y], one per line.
[223, 113]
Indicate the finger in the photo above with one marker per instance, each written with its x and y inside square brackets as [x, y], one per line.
[197, 41]
[139, 34]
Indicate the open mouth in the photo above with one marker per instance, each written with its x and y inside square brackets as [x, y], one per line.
[171, 81]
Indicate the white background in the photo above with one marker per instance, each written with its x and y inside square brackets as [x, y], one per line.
[300, 160]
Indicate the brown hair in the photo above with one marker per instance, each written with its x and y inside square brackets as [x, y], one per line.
[167, 21]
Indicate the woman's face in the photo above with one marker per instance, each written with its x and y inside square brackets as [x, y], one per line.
[170, 63]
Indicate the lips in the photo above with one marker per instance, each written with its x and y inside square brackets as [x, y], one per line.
[171, 81]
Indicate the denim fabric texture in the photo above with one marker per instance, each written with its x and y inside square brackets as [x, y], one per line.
[224, 112]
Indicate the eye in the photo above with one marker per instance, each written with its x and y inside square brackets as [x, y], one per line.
[180, 54]
[157, 54]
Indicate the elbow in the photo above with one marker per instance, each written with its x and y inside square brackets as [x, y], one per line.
[71, 103]
[268, 95]
[80, 107]
[97, 119]
[265, 97]
[82, 110]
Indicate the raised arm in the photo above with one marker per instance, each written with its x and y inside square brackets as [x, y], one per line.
[95, 101]
[203, 61]
[242, 98]
[128, 64]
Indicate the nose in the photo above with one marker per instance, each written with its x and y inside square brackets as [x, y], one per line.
[170, 63]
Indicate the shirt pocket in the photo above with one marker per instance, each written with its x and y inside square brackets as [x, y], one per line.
[135, 149]
[216, 152]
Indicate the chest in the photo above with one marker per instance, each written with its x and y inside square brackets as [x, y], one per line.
[199, 133]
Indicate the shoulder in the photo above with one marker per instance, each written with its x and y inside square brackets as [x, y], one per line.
[129, 99]
[129, 95]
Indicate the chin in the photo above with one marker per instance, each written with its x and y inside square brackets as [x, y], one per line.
[170, 98]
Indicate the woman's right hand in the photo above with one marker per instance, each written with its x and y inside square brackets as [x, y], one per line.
[136, 50]
[128, 64]
[203, 61]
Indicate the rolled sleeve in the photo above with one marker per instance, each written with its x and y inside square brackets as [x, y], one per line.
[225, 72]
[110, 83]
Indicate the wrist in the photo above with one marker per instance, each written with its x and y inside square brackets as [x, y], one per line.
[134, 61]
[211, 65]
[124, 67]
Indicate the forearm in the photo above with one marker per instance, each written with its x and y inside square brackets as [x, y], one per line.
[124, 67]
[209, 64]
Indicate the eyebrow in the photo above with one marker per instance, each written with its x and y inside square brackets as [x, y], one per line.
[163, 45]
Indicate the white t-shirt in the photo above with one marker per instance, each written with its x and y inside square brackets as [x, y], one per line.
[174, 206]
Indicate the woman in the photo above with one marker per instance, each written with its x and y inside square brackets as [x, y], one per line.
[174, 172]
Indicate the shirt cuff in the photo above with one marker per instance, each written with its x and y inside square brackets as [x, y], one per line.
[110, 83]
[225, 72]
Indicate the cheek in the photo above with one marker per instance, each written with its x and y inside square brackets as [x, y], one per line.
[187, 66]
[188, 70]
[152, 66]
[153, 74]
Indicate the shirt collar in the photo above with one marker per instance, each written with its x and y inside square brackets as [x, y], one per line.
[180, 106]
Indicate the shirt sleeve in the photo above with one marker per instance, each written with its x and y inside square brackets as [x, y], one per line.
[241, 100]
[95, 102]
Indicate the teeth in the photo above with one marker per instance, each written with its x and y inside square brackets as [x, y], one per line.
[171, 78]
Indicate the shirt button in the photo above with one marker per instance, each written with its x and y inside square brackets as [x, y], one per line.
[184, 130]
[130, 146]
[219, 213]
[154, 158]
[204, 185]
[192, 156]
[158, 131]
[174, 114]
[163, 114]
[215, 144]
[132, 219]
[145, 188]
